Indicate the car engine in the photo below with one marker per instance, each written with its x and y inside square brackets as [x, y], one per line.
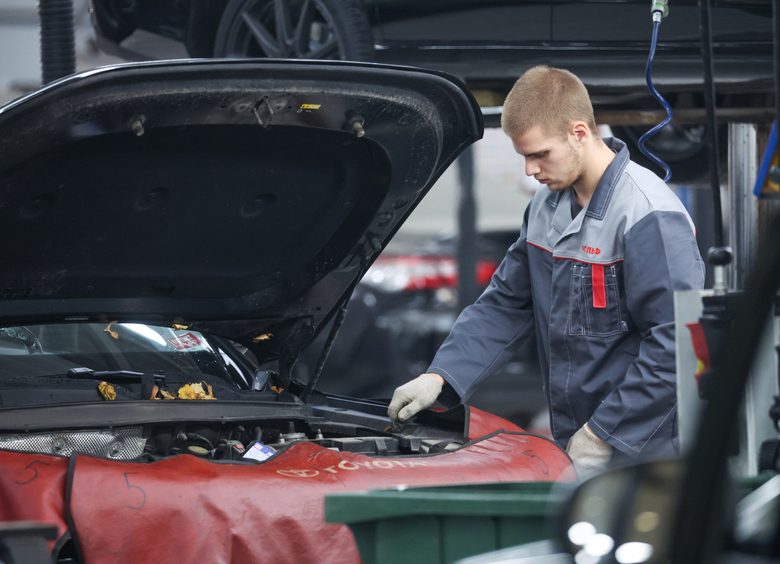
[230, 441]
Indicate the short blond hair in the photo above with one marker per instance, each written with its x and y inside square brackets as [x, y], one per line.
[550, 98]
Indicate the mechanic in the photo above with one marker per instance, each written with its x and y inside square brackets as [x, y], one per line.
[604, 245]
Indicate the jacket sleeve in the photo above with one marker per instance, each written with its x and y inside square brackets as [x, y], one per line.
[661, 257]
[486, 334]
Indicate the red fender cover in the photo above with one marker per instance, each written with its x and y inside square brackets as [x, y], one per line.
[32, 488]
[185, 509]
[481, 423]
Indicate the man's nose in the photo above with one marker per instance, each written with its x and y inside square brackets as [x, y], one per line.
[531, 168]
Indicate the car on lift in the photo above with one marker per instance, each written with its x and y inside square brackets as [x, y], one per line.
[177, 234]
[489, 44]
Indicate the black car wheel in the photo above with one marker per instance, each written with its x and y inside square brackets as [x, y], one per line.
[295, 29]
[682, 147]
[115, 19]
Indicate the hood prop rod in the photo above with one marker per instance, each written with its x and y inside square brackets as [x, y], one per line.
[340, 316]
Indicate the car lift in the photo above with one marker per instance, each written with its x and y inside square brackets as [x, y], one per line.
[753, 200]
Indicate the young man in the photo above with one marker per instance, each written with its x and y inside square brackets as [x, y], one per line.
[603, 247]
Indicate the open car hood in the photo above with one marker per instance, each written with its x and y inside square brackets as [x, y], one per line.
[239, 198]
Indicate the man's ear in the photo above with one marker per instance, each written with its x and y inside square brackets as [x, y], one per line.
[580, 131]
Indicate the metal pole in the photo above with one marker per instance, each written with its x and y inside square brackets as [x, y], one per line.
[743, 215]
[776, 53]
[712, 129]
[768, 209]
[467, 231]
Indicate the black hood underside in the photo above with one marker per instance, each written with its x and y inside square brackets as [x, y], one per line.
[237, 197]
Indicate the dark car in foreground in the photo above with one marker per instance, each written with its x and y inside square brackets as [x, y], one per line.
[489, 44]
[177, 234]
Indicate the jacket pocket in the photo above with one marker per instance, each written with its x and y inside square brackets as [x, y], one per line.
[595, 301]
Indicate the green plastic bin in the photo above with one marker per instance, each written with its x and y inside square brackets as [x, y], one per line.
[446, 523]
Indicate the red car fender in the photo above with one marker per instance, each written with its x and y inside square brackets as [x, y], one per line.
[481, 423]
[32, 488]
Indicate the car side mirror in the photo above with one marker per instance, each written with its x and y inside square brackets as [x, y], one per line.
[625, 515]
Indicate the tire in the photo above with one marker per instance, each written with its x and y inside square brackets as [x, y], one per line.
[682, 147]
[115, 19]
[317, 29]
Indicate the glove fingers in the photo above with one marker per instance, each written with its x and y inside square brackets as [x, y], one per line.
[394, 408]
[400, 399]
[410, 410]
[415, 395]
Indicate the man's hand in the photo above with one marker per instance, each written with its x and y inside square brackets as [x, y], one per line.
[415, 396]
[589, 453]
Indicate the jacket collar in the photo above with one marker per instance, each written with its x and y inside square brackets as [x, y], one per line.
[597, 207]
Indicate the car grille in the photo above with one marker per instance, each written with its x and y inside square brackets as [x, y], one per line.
[119, 444]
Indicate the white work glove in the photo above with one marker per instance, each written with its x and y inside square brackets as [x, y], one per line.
[414, 396]
[589, 453]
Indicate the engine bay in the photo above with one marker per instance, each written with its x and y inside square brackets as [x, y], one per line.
[339, 429]
[231, 442]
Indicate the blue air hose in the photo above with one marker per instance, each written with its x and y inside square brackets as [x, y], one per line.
[660, 126]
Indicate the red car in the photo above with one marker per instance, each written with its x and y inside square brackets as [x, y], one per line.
[177, 234]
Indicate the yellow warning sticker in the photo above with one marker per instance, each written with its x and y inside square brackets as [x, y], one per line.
[311, 106]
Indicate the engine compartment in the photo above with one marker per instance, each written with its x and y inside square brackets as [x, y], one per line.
[338, 429]
[231, 442]
[224, 430]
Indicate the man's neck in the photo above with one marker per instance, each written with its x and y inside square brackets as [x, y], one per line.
[596, 158]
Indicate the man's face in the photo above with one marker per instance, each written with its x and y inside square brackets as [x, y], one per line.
[553, 161]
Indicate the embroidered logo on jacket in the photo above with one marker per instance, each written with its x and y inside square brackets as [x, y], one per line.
[591, 250]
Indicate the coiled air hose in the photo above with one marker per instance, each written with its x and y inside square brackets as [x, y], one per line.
[58, 43]
[659, 10]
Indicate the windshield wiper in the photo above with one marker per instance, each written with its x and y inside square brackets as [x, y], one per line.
[122, 375]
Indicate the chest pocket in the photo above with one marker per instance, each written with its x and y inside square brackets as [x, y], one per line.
[596, 305]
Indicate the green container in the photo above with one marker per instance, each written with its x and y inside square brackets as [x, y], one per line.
[444, 524]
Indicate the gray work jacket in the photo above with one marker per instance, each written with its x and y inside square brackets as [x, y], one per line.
[597, 293]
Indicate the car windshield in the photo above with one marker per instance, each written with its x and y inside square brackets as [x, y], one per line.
[52, 350]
